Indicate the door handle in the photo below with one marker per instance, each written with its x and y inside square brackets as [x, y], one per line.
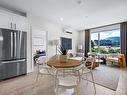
[11, 25]
[15, 26]
[15, 45]
[11, 44]
[13, 61]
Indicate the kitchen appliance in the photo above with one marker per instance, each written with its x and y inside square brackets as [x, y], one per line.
[13, 53]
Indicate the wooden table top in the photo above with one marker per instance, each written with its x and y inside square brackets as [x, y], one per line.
[69, 64]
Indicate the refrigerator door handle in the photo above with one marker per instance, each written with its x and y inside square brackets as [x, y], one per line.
[11, 25]
[15, 48]
[14, 61]
[11, 44]
[15, 26]
[20, 40]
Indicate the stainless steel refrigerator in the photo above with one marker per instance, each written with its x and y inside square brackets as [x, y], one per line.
[13, 53]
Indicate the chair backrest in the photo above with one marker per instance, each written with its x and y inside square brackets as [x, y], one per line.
[122, 61]
[89, 62]
[90, 59]
[63, 72]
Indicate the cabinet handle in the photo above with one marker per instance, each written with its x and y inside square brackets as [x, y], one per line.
[15, 26]
[11, 25]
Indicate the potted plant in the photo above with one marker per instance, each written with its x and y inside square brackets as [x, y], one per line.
[63, 56]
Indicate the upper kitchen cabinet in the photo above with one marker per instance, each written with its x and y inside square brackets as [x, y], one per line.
[11, 20]
[19, 22]
[5, 19]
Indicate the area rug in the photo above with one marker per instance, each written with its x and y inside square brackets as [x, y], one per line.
[106, 76]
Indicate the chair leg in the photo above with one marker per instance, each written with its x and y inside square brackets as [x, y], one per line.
[93, 82]
[77, 90]
[55, 83]
[87, 78]
[56, 90]
[37, 73]
[55, 86]
[37, 77]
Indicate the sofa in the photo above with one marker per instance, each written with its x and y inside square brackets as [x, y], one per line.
[76, 56]
[119, 59]
[80, 57]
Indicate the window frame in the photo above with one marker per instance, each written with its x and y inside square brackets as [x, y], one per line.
[98, 32]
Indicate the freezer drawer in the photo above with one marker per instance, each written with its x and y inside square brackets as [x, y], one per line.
[21, 67]
[2, 72]
[9, 69]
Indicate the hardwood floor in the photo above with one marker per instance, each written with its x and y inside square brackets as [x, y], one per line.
[27, 85]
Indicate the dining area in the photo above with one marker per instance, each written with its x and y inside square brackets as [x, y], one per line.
[73, 76]
[66, 73]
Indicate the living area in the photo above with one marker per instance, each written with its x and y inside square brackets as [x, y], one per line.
[103, 44]
[107, 45]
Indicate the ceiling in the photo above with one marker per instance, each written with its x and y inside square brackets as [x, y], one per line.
[78, 15]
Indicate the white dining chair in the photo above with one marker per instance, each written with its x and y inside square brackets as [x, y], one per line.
[42, 67]
[87, 69]
[69, 79]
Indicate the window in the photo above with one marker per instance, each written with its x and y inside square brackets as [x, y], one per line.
[106, 42]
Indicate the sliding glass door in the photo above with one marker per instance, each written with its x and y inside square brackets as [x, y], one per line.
[95, 42]
[105, 42]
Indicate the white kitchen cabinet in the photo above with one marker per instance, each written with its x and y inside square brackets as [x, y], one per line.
[19, 22]
[5, 20]
[12, 21]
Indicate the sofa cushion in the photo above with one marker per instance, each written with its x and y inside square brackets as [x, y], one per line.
[77, 58]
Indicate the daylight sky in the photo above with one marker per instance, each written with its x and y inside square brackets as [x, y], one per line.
[103, 35]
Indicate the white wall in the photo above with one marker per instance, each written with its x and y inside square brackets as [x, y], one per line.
[81, 38]
[54, 31]
[29, 49]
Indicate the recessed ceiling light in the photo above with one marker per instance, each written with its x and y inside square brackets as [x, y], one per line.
[61, 19]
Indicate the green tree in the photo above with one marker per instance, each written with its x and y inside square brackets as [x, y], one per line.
[111, 51]
[103, 51]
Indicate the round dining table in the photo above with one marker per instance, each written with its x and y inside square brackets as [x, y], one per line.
[70, 63]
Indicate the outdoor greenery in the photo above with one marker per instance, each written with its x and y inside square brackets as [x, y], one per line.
[106, 42]
[105, 51]
[107, 46]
